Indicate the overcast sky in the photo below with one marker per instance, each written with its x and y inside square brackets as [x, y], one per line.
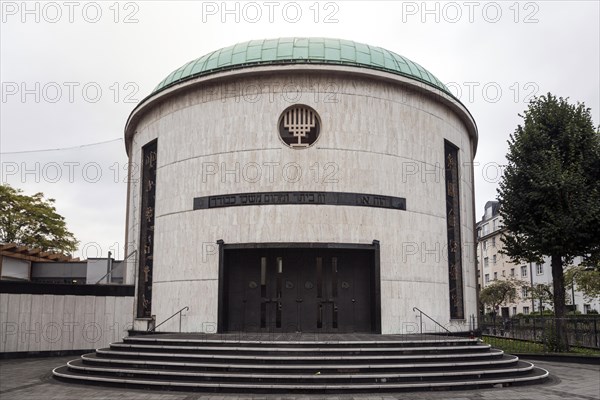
[72, 72]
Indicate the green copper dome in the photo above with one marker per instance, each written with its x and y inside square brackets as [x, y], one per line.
[301, 51]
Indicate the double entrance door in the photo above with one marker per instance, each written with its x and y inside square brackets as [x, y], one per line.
[298, 290]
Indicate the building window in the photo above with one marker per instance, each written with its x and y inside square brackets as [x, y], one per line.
[503, 273]
[494, 241]
[512, 272]
[540, 269]
[494, 259]
[485, 244]
[525, 310]
[524, 271]
[485, 229]
[487, 278]
[514, 310]
[486, 262]
[524, 292]
[495, 275]
[587, 308]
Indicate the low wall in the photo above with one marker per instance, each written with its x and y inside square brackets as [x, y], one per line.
[39, 318]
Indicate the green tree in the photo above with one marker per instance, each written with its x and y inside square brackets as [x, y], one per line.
[498, 293]
[542, 294]
[550, 192]
[33, 221]
[586, 280]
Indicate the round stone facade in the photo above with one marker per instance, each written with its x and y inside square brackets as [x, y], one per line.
[381, 136]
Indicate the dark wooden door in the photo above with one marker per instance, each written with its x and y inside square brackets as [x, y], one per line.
[245, 292]
[354, 292]
[299, 290]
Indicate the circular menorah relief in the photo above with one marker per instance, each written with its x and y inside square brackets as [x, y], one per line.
[299, 126]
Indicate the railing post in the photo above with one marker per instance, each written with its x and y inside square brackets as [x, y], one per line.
[433, 320]
[178, 312]
[596, 333]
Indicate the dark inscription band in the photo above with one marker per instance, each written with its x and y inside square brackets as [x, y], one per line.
[324, 198]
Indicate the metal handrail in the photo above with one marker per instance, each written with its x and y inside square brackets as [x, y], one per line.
[433, 320]
[178, 312]
[113, 268]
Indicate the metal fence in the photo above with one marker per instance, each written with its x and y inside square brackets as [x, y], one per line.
[582, 332]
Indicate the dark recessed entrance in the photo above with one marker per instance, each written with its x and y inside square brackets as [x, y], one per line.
[299, 289]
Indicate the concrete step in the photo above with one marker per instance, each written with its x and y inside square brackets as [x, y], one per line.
[316, 374]
[353, 349]
[262, 341]
[64, 373]
[423, 365]
[205, 363]
[284, 358]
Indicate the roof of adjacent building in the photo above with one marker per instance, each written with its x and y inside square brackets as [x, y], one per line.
[15, 250]
[301, 50]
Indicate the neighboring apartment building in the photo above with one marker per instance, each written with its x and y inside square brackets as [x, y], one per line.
[493, 265]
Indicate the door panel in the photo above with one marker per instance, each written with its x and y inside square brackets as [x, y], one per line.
[289, 306]
[299, 290]
[244, 287]
[306, 292]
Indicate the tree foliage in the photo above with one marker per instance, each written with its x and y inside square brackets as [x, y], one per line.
[586, 280]
[541, 293]
[498, 292]
[33, 221]
[550, 191]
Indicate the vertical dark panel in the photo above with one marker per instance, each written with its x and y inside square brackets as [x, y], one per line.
[223, 302]
[334, 291]
[376, 289]
[280, 300]
[146, 250]
[452, 184]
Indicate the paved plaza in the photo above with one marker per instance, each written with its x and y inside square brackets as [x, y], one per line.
[31, 379]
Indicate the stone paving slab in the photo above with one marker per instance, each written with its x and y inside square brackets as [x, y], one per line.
[31, 379]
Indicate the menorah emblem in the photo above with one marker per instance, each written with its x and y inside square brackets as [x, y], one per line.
[299, 126]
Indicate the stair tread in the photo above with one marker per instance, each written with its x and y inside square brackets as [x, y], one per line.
[491, 353]
[63, 372]
[424, 364]
[395, 341]
[302, 349]
[520, 367]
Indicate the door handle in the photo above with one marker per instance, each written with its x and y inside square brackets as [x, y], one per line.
[299, 300]
[268, 300]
